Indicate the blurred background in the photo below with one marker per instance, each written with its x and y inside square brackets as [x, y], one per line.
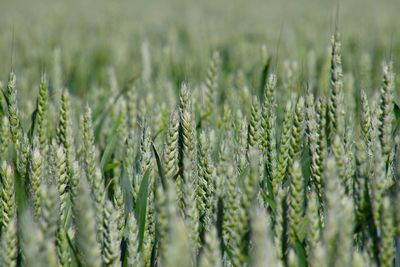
[88, 36]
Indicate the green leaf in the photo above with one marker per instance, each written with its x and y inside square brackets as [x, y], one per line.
[268, 183]
[227, 250]
[141, 206]
[396, 111]
[270, 201]
[111, 165]
[21, 196]
[33, 123]
[75, 258]
[127, 189]
[301, 254]
[111, 142]
[160, 168]
[98, 122]
[244, 174]
[264, 75]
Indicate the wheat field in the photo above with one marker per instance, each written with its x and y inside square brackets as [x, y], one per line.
[199, 133]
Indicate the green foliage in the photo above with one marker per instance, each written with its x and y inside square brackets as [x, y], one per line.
[300, 170]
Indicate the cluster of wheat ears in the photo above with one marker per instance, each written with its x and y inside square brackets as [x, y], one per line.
[249, 181]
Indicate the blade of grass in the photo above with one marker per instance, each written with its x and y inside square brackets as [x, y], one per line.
[98, 122]
[396, 111]
[141, 206]
[264, 75]
[301, 254]
[33, 123]
[111, 142]
[112, 165]
[160, 168]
